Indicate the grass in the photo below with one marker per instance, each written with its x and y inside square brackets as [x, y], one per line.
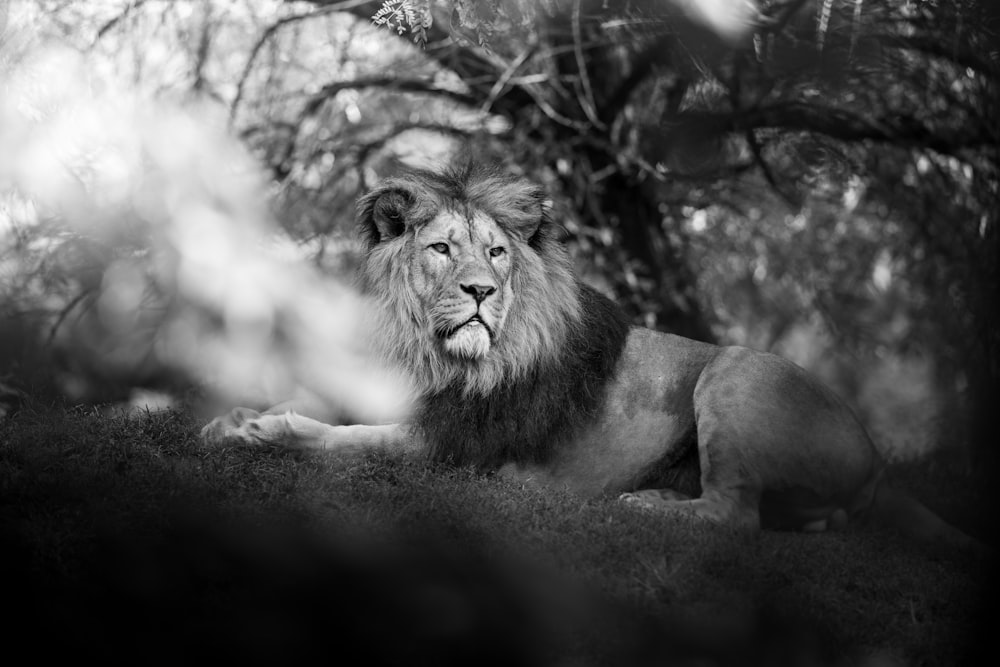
[125, 538]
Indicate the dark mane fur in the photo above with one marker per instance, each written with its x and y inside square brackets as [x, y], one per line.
[526, 420]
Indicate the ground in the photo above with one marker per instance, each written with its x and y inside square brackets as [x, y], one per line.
[125, 536]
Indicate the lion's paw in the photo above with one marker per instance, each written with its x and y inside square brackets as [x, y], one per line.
[631, 499]
[242, 426]
[652, 498]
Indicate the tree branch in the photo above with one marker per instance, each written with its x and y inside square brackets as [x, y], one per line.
[587, 101]
[393, 83]
[343, 6]
[472, 64]
[504, 79]
[655, 54]
[87, 293]
[204, 50]
[317, 100]
[362, 151]
[839, 124]
[129, 7]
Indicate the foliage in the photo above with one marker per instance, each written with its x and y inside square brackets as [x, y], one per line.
[406, 15]
[477, 22]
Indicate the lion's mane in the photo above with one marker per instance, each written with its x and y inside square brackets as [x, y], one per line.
[558, 348]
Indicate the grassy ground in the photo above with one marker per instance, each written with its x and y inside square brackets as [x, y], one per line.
[124, 538]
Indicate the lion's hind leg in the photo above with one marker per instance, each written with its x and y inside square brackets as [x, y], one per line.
[734, 510]
[799, 509]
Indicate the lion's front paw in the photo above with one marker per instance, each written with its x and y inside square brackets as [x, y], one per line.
[240, 427]
[635, 500]
[652, 498]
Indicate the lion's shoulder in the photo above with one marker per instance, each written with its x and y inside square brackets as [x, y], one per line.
[528, 418]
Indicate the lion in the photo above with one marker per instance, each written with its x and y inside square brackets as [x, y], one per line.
[523, 369]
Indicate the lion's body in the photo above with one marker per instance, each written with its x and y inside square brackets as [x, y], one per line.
[724, 424]
[524, 370]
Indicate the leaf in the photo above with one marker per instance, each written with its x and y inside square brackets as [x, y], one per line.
[406, 15]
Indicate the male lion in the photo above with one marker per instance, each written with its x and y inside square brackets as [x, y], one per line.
[523, 369]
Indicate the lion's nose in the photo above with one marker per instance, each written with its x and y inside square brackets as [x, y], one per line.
[479, 292]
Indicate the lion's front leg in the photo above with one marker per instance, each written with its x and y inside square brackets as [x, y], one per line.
[291, 430]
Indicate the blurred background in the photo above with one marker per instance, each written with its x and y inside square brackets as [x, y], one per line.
[817, 178]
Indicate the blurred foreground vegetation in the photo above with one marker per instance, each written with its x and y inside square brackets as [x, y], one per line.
[126, 539]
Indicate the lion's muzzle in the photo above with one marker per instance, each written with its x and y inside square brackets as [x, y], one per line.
[474, 321]
[470, 340]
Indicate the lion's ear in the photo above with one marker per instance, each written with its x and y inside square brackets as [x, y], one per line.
[537, 223]
[546, 207]
[521, 204]
[382, 213]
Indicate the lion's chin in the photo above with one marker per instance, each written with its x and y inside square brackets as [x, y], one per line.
[472, 341]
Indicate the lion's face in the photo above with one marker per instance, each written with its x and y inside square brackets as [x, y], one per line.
[469, 284]
[461, 270]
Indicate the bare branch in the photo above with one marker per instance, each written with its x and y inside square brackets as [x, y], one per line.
[643, 66]
[553, 115]
[204, 49]
[638, 164]
[505, 78]
[587, 102]
[328, 91]
[389, 82]
[87, 293]
[344, 6]
[840, 124]
[130, 6]
[362, 151]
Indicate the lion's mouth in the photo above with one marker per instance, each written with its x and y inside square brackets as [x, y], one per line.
[473, 321]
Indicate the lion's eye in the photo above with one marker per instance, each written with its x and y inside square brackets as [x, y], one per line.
[439, 247]
[496, 252]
